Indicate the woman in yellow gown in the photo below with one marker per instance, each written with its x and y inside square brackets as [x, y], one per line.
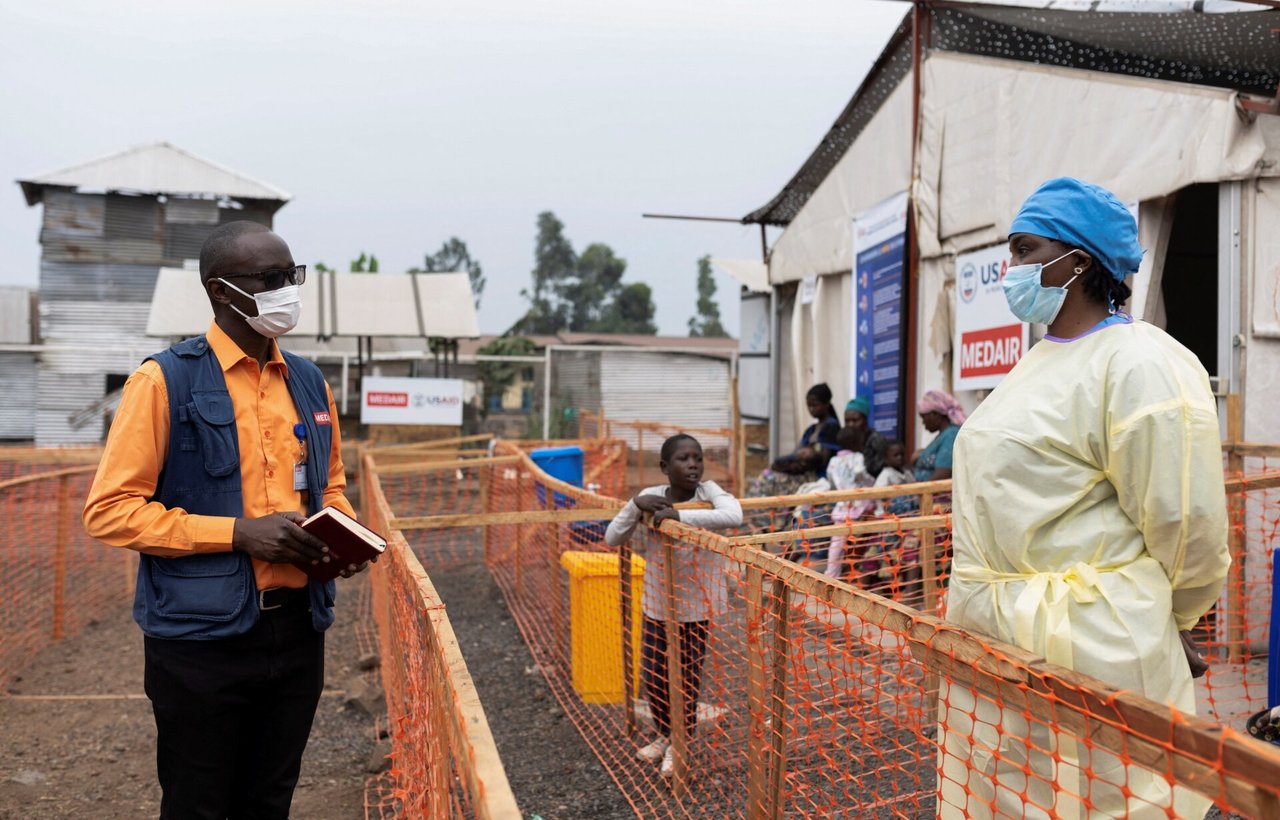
[1089, 519]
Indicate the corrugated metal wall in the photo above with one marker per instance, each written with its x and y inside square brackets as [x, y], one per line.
[680, 389]
[575, 380]
[17, 370]
[101, 256]
[17, 395]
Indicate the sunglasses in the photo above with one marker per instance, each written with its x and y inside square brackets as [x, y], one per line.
[275, 279]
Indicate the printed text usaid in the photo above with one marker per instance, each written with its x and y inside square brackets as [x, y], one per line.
[411, 401]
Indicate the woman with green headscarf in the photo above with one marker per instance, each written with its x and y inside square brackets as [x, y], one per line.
[1089, 520]
[857, 414]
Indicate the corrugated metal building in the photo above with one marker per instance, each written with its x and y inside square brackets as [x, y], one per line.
[683, 388]
[17, 369]
[109, 226]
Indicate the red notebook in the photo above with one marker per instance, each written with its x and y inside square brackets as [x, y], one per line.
[349, 542]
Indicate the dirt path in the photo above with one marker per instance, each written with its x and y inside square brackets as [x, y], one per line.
[78, 738]
[551, 770]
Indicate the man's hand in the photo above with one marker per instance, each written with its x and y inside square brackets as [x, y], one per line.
[277, 539]
[651, 503]
[352, 569]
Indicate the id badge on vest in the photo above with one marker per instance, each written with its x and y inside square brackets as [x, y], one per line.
[300, 468]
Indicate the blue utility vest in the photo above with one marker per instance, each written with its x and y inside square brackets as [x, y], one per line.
[209, 596]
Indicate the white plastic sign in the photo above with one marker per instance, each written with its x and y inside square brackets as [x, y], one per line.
[989, 338]
[411, 401]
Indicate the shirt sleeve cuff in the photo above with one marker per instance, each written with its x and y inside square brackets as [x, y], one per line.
[211, 533]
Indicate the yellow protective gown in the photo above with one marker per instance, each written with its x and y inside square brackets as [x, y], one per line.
[1089, 527]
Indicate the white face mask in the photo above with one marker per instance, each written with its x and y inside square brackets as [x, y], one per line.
[277, 309]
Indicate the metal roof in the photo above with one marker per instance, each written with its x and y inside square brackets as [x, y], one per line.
[159, 168]
[424, 305]
[1237, 50]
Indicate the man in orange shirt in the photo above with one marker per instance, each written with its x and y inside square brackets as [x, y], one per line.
[220, 447]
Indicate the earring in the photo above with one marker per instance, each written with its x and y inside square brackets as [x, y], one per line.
[1079, 271]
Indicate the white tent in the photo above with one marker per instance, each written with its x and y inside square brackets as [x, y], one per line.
[1134, 112]
[426, 305]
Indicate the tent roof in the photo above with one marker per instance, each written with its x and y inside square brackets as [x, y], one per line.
[159, 168]
[750, 273]
[422, 305]
[1235, 51]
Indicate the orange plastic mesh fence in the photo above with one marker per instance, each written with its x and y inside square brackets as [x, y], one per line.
[444, 762]
[55, 579]
[817, 696]
[720, 447]
[457, 488]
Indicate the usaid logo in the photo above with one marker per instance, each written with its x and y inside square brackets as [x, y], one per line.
[968, 282]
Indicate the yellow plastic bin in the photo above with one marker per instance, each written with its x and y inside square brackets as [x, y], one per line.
[595, 624]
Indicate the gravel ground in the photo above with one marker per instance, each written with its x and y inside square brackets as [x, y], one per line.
[552, 772]
[95, 756]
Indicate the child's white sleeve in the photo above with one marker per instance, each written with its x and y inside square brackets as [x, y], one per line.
[726, 512]
[622, 525]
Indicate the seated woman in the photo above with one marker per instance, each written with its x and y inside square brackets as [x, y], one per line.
[857, 414]
[808, 461]
[941, 414]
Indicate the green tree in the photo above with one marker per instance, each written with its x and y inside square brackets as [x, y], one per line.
[322, 268]
[631, 311]
[554, 262]
[707, 321]
[365, 264]
[455, 257]
[581, 293]
[599, 278]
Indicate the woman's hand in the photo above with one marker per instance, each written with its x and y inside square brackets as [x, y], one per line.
[651, 503]
[1194, 659]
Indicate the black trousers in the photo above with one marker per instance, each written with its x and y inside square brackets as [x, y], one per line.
[233, 717]
[654, 657]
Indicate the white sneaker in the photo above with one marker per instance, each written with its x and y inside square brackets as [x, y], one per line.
[668, 762]
[654, 750]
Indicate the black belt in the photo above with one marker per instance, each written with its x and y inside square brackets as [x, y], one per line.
[284, 598]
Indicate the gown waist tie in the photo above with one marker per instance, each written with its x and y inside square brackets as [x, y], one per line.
[1052, 590]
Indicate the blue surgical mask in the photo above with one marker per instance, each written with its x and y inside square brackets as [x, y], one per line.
[1029, 300]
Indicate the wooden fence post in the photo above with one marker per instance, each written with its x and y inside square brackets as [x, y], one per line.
[675, 676]
[624, 598]
[781, 606]
[486, 478]
[557, 588]
[60, 560]
[520, 536]
[928, 559]
[758, 744]
[1236, 636]
[640, 457]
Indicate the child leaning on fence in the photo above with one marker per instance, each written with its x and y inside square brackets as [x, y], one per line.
[700, 593]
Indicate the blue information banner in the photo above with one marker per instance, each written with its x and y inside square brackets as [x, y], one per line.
[879, 242]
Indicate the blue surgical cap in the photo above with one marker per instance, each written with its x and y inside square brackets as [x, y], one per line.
[1085, 216]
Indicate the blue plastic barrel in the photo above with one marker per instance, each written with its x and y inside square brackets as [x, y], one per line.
[564, 463]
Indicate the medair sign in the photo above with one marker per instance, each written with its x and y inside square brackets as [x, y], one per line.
[989, 339]
[411, 401]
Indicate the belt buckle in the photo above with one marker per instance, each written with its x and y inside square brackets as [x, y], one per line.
[262, 600]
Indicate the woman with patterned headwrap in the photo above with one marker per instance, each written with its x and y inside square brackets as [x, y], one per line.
[1089, 521]
[941, 414]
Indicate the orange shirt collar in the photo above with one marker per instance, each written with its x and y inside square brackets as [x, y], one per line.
[229, 353]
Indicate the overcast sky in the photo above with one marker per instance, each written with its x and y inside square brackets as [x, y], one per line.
[397, 124]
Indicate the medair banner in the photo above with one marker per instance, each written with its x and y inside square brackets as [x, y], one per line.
[989, 339]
